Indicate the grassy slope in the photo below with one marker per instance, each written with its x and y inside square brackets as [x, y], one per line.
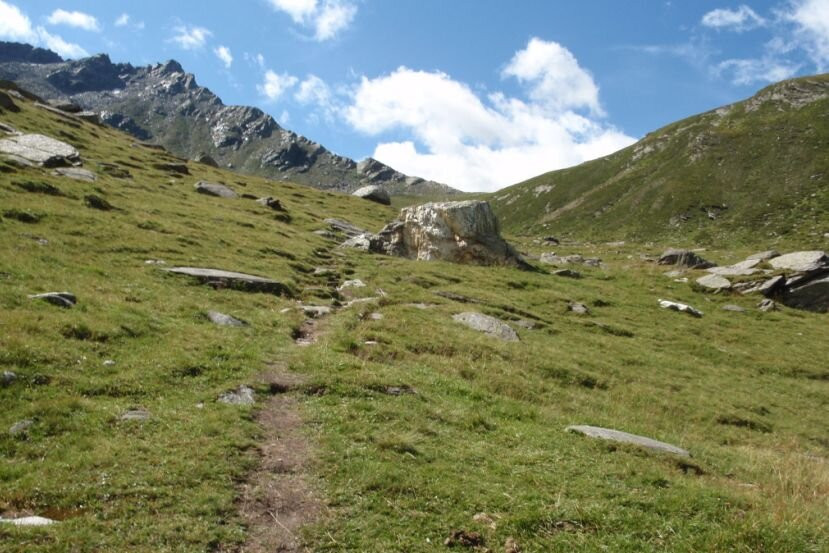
[483, 433]
[769, 167]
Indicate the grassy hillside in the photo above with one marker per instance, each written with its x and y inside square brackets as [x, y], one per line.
[756, 172]
[416, 424]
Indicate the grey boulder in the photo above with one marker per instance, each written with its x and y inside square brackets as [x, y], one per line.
[373, 193]
[213, 189]
[681, 307]
[801, 262]
[683, 258]
[40, 150]
[7, 378]
[271, 203]
[488, 325]
[243, 395]
[715, 283]
[222, 319]
[61, 299]
[626, 438]
[812, 295]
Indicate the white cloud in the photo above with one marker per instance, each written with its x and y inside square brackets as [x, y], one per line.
[15, 25]
[275, 85]
[313, 90]
[223, 53]
[739, 20]
[190, 37]
[327, 17]
[123, 20]
[476, 143]
[555, 76]
[751, 71]
[76, 19]
[811, 19]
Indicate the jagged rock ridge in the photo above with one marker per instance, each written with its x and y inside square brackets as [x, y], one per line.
[163, 104]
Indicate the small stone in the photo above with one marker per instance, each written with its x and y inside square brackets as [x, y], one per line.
[109, 363]
[97, 202]
[624, 437]
[136, 415]
[61, 299]
[525, 323]
[316, 311]
[243, 395]
[734, 308]
[511, 546]
[355, 283]
[7, 378]
[488, 325]
[767, 305]
[681, 307]
[224, 320]
[155, 262]
[323, 271]
[231, 279]
[212, 189]
[485, 519]
[567, 273]
[763, 256]
[375, 316]
[75, 173]
[464, 539]
[21, 427]
[578, 308]
[28, 521]
[271, 203]
[714, 282]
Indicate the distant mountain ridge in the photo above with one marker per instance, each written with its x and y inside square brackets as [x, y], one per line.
[755, 169]
[163, 104]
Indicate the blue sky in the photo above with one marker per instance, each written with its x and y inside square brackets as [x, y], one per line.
[479, 94]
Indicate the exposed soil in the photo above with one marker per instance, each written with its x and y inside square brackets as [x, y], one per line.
[277, 499]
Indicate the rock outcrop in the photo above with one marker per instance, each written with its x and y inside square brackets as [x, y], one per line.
[460, 232]
[37, 149]
[373, 193]
[683, 258]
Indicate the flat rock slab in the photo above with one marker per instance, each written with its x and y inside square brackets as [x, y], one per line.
[488, 325]
[373, 193]
[28, 521]
[21, 427]
[61, 299]
[76, 173]
[812, 296]
[222, 319]
[40, 150]
[742, 268]
[681, 307]
[231, 279]
[801, 262]
[734, 308]
[213, 189]
[243, 395]
[625, 438]
[345, 227]
[715, 283]
[136, 415]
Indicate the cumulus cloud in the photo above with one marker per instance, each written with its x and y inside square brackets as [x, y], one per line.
[811, 20]
[75, 19]
[327, 18]
[223, 53]
[190, 37]
[123, 20]
[739, 20]
[482, 144]
[15, 25]
[761, 70]
[275, 85]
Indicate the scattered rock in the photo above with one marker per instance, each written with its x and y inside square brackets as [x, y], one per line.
[28, 521]
[66, 106]
[243, 395]
[464, 539]
[575, 259]
[578, 308]
[485, 519]
[681, 307]
[567, 273]
[230, 279]
[21, 427]
[488, 325]
[767, 305]
[734, 308]
[212, 189]
[526, 323]
[224, 320]
[813, 295]
[763, 256]
[7, 378]
[398, 390]
[155, 262]
[24, 216]
[365, 242]
[801, 262]
[355, 283]
[178, 168]
[136, 415]
[375, 316]
[40, 150]
[624, 437]
[109, 363]
[271, 203]
[324, 271]
[61, 299]
[683, 258]
[511, 546]
[97, 202]
[7, 103]
[373, 193]
[316, 311]
[8, 129]
[716, 283]
[345, 227]
[746, 267]
[205, 159]
[75, 173]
